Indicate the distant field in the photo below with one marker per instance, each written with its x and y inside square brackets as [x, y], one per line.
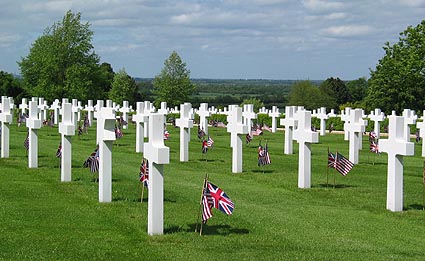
[42, 218]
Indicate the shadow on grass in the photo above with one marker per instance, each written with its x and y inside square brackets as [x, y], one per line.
[209, 160]
[337, 186]
[223, 230]
[263, 171]
[414, 206]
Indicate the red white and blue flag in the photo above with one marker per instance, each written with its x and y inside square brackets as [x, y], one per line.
[374, 147]
[59, 151]
[343, 165]
[219, 199]
[144, 173]
[210, 142]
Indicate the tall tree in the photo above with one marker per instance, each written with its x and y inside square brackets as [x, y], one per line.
[398, 82]
[10, 86]
[357, 89]
[305, 93]
[62, 62]
[336, 88]
[173, 84]
[124, 88]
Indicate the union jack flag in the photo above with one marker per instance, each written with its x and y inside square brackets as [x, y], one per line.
[331, 160]
[59, 151]
[144, 172]
[166, 135]
[219, 199]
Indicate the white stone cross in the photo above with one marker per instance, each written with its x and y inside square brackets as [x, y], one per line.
[345, 115]
[421, 126]
[125, 109]
[203, 113]
[396, 146]
[274, 113]
[289, 123]
[248, 115]
[185, 123]
[140, 118]
[236, 129]
[42, 106]
[377, 116]
[332, 113]
[79, 107]
[146, 111]
[304, 136]
[213, 110]
[355, 126]
[6, 119]
[67, 129]
[33, 124]
[321, 114]
[106, 123]
[89, 108]
[55, 107]
[157, 155]
[98, 108]
[263, 110]
[23, 106]
[75, 112]
[409, 119]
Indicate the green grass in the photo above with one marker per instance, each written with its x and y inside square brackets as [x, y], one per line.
[42, 218]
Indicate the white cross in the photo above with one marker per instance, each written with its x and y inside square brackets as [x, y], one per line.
[274, 114]
[67, 129]
[332, 113]
[289, 123]
[185, 123]
[248, 114]
[421, 127]
[304, 136]
[263, 110]
[33, 124]
[203, 113]
[157, 155]
[409, 119]
[345, 115]
[236, 129]
[106, 124]
[323, 117]
[23, 106]
[89, 108]
[376, 116]
[55, 107]
[396, 146]
[42, 106]
[140, 118]
[125, 110]
[6, 119]
[355, 126]
[75, 112]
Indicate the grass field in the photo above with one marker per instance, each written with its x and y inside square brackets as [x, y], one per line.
[42, 218]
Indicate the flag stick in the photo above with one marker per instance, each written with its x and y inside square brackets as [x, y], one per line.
[423, 190]
[143, 190]
[336, 162]
[200, 203]
[327, 171]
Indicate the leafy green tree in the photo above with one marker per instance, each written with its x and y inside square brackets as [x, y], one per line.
[336, 88]
[258, 104]
[10, 86]
[173, 84]
[62, 62]
[124, 88]
[304, 93]
[398, 82]
[357, 89]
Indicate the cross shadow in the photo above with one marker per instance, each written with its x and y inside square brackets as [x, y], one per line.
[223, 230]
[337, 186]
[209, 160]
[262, 171]
[414, 206]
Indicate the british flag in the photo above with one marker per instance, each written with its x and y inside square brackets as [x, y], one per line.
[144, 172]
[331, 160]
[219, 199]
[166, 135]
[59, 151]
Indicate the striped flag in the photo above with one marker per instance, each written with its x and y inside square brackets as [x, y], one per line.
[118, 133]
[204, 146]
[210, 142]
[374, 147]
[207, 204]
[263, 155]
[343, 165]
[92, 161]
[144, 172]
[248, 138]
[59, 151]
[27, 142]
[166, 135]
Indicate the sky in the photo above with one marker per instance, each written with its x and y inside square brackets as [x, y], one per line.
[222, 39]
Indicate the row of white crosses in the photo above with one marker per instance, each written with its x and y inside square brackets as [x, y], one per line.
[6, 119]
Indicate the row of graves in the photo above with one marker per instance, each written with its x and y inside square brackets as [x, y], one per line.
[151, 124]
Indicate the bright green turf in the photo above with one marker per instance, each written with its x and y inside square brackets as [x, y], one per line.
[42, 218]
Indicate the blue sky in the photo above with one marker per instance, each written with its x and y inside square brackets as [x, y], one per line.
[269, 39]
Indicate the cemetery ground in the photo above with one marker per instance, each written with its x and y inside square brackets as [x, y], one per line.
[42, 218]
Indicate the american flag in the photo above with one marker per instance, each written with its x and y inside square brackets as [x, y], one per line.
[80, 130]
[207, 204]
[166, 135]
[374, 147]
[267, 128]
[204, 146]
[263, 155]
[343, 165]
[372, 136]
[144, 172]
[221, 124]
[27, 142]
[219, 199]
[86, 122]
[210, 142]
[59, 151]
[92, 161]
[201, 133]
[118, 133]
[256, 131]
[248, 138]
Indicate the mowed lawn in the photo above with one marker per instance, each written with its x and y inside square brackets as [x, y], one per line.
[344, 218]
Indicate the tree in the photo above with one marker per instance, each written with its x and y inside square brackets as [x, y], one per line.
[398, 82]
[336, 88]
[357, 89]
[258, 104]
[62, 63]
[173, 84]
[304, 93]
[124, 88]
[10, 86]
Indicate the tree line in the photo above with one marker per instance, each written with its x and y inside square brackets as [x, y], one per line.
[62, 63]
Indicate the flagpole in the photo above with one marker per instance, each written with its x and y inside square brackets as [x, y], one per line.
[336, 162]
[143, 190]
[327, 171]
[200, 203]
[423, 189]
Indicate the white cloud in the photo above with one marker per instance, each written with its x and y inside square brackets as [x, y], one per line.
[413, 3]
[322, 6]
[347, 31]
[8, 39]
